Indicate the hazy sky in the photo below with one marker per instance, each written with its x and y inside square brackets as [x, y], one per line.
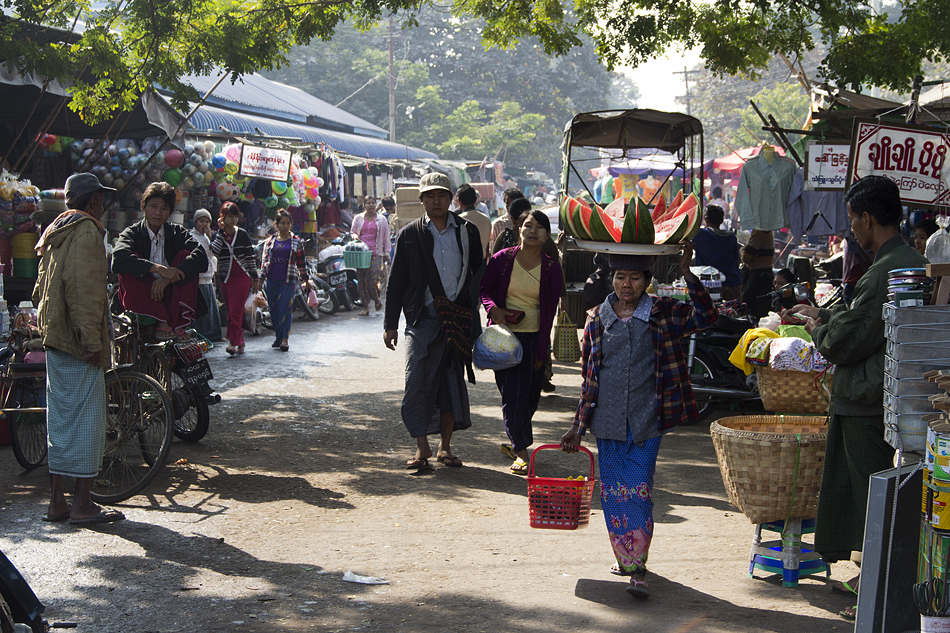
[658, 86]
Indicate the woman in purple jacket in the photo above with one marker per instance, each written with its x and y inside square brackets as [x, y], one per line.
[521, 289]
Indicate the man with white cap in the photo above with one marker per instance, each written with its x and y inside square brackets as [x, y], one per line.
[74, 322]
[436, 258]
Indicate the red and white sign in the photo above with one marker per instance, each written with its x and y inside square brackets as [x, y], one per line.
[826, 166]
[913, 156]
[264, 162]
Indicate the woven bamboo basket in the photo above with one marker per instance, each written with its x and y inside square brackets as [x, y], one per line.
[771, 464]
[788, 391]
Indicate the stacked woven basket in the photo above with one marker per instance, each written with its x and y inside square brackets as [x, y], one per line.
[789, 391]
[771, 465]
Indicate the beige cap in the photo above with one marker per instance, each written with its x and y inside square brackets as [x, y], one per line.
[433, 181]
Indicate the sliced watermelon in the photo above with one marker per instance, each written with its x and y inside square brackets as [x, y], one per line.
[616, 210]
[638, 225]
[672, 231]
[691, 209]
[563, 217]
[660, 209]
[602, 226]
[671, 207]
[580, 219]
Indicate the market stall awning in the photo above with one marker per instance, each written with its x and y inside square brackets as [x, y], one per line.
[258, 96]
[737, 159]
[216, 120]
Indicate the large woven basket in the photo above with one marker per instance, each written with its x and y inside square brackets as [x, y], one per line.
[771, 464]
[788, 391]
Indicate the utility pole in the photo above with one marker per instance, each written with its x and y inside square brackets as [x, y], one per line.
[686, 73]
[392, 87]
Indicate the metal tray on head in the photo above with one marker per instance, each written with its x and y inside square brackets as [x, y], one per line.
[916, 333]
[909, 386]
[918, 351]
[913, 368]
[918, 315]
[629, 249]
[907, 404]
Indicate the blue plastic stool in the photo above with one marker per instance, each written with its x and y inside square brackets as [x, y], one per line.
[786, 556]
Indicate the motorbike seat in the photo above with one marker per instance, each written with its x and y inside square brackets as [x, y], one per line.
[729, 324]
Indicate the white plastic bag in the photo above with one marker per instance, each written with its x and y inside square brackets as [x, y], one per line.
[937, 250]
[497, 348]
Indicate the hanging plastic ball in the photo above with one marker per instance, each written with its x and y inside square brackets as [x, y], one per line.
[119, 183]
[188, 183]
[209, 147]
[172, 176]
[318, 201]
[283, 202]
[230, 168]
[107, 179]
[320, 182]
[116, 172]
[195, 159]
[188, 169]
[174, 158]
[77, 147]
[136, 194]
[313, 193]
[233, 153]
[279, 188]
[218, 161]
[140, 179]
[113, 150]
[270, 201]
[124, 154]
[204, 167]
[198, 177]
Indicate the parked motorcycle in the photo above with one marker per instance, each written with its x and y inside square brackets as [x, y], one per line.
[341, 279]
[715, 380]
[188, 387]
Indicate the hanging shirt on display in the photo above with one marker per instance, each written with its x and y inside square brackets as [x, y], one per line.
[803, 207]
[762, 193]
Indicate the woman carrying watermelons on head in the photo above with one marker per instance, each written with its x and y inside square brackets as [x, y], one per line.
[635, 388]
[521, 288]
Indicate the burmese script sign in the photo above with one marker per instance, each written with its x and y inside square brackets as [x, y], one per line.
[826, 166]
[264, 162]
[913, 156]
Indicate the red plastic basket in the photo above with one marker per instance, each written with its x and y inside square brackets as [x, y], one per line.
[555, 503]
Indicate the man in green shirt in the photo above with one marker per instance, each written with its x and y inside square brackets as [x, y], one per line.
[853, 339]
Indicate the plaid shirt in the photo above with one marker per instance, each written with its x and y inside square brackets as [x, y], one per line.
[669, 321]
[298, 259]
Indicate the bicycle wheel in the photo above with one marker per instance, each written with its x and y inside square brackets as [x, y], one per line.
[28, 438]
[156, 365]
[139, 428]
[192, 424]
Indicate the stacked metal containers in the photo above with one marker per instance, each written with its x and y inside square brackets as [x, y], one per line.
[918, 341]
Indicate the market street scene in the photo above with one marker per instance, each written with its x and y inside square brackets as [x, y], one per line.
[427, 315]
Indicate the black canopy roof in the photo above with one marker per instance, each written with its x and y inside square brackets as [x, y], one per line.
[629, 129]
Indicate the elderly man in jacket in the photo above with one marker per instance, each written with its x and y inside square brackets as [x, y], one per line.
[74, 322]
[853, 339]
[444, 249]
[158, 264]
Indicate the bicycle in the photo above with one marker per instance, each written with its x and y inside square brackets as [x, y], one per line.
[139, 422]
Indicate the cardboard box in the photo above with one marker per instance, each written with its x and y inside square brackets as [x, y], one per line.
[407, 195]
[409, 210]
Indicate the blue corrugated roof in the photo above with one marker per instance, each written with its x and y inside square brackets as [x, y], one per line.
[209, 118]
[255, 94]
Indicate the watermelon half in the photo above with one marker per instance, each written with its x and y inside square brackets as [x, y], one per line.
[564, 222]
[602, 226]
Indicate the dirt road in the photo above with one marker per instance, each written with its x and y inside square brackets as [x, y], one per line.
[300, 479]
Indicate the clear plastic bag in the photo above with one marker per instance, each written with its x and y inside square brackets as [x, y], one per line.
[497, 348]
[937, 250]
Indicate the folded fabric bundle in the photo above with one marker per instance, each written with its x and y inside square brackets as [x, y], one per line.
[738, 355]
[792, 353]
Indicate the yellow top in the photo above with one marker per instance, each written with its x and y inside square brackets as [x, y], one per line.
[524, 294]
